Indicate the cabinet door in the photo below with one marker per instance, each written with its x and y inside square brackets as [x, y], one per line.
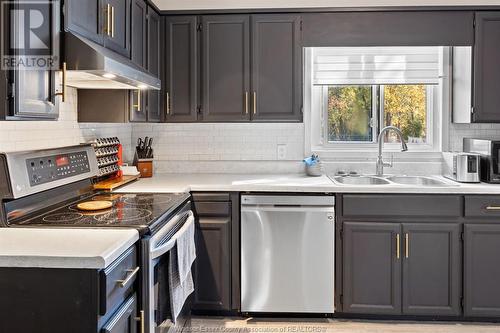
[124, 321]
[117, 25]
[372, 268]
[213, 265]
[84, 18]
[153, 96]
[226, 68]
[181, 86]
[486, 68]
[276, 68]
[34, 90]
[482, 270]
[432, 267]
[139, 32]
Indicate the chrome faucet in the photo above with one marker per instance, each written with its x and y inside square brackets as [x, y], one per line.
[380, 160]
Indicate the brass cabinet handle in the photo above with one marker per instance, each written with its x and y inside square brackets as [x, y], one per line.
[246, 102]
[141, 320]
[131, 275]
[138, 105]
[168, 103]
[63, 83]
[254, 103]
[398, 246]
[112, 22]
[493, 208]
[407, 246]
[108, 19]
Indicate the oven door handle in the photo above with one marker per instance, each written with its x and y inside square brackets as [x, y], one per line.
[161, 250]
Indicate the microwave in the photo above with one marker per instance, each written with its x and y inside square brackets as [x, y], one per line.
[489, 152]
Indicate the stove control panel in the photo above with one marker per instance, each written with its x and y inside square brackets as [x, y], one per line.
[42, 170]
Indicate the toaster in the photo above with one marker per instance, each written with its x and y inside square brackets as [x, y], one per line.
[462, 167]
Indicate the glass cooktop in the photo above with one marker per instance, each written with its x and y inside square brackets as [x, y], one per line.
[132, 210]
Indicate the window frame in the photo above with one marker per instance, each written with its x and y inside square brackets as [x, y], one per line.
[314, 117]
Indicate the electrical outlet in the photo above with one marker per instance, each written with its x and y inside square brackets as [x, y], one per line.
[282, 152]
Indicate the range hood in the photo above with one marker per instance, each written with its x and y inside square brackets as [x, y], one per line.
[91, 66]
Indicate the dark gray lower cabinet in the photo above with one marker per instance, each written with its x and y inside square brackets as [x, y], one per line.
[213, 265]
[432, 269]
[125, 320]
[372, 269]
[408, 268]
[482, 270]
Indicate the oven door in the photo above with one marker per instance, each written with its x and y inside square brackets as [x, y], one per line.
[156, 298]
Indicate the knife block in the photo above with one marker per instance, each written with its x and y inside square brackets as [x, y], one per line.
[144, 165]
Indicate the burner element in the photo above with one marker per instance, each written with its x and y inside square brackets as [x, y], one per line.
[62, 217]
[123, 215]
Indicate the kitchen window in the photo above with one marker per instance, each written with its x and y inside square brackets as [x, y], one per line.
[357, 91]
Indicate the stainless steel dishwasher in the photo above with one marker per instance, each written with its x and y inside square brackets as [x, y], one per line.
[287, 254]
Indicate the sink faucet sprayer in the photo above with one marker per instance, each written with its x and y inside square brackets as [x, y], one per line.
[380, 160]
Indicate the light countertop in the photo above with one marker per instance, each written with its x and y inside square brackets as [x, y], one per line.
[172, 183]
[63, 248]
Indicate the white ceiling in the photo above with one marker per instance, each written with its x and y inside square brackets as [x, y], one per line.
[242, 4]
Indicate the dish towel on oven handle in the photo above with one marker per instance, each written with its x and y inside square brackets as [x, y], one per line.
[182, 257]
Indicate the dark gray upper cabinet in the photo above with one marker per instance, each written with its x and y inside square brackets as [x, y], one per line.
[486, 68]
[154, 67]
[32, 93]
[138, 105]
[276, 68]
[482, 271]
[181, 69]
[84, 17]
[213, 264]
[117, 25]
[138, 21]
[372, 268]
[392, 28]
[226, 68]
[432, 267]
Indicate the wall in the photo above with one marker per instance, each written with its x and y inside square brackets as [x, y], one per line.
[224, 148]
[237, 4]
[27, 135]
[477, 131]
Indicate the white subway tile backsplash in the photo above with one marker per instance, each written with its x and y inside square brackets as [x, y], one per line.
[66, 131]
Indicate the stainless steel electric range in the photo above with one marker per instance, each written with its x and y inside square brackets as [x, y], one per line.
[43, 189]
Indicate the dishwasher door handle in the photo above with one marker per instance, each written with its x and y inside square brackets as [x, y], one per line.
[289, 209]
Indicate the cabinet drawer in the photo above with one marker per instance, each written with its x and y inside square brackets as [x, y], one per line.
[124, 321]
[482, 206]
[219, 197]
[401, 205]
[213, 208]
[117, 281]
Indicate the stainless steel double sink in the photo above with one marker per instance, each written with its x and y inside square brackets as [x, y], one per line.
[365, 180]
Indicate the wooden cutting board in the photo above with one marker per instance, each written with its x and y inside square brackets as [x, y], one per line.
[111, 184]
[94, 205]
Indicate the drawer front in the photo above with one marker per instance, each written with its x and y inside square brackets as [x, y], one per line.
[117, 281]
[213, 208]
[218, 197]
[482, 206]
[125, 319]
[401, 205]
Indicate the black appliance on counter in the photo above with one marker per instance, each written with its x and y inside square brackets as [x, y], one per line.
[489, 150]
[43, 188]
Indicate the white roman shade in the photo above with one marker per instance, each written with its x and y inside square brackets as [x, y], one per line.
[376, 65]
